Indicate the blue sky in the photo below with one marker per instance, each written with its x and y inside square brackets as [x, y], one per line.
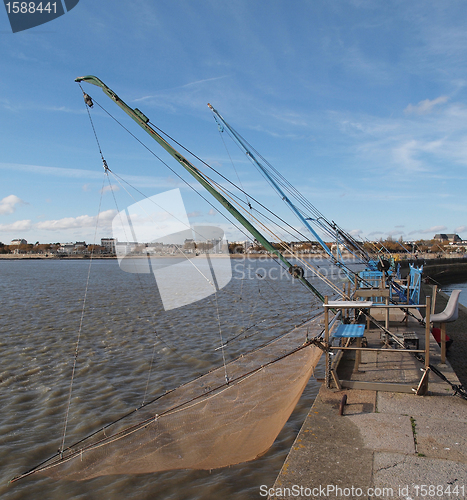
[362, 105]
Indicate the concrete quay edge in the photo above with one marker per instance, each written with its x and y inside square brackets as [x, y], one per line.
[386, 445]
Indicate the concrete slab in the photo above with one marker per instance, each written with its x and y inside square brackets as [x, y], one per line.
[357, 401]
[329, 450]
[380, 432]
[446, 408]
[406, 474]
[441, 438]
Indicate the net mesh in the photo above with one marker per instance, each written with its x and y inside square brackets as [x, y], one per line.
[206, 423]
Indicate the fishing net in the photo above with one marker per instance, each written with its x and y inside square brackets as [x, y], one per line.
[205, 424]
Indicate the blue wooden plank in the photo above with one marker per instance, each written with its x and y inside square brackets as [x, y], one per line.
[351, 330]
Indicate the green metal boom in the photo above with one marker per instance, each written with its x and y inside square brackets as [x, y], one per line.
[142, 120]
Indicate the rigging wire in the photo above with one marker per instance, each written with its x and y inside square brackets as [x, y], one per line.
[67, 413]
[89, 104]
[284, 245]
[248, 236]
[179, 248]
[330, 228]
[214, 284]
[219, 323]
[232, 196]
[224, 190]
[221, 129]
[204, 163]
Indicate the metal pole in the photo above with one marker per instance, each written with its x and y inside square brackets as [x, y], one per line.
[427, 333]
[327, 375]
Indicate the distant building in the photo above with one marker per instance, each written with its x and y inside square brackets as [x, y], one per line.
[214, 245]
[66, 248]
[189, 246]
[80, 247]
[123, 248]
[243, 245]
[453, 238]
[108, 244]
[18, 242]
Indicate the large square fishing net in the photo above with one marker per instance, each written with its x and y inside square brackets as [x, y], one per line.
[205, 424]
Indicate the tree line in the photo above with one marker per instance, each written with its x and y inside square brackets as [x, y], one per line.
[44, 248]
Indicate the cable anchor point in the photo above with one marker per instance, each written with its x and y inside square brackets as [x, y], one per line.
[106, 167]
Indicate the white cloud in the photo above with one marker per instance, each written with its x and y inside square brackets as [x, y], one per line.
[109, 188]
[7, 205]
[82, 221]
[196, 83]
[19, 225]
[405, 156]
[460, 229]
[52, 171]
[426, 106]
[394, 232]
[77, 173]
[392, 146]
[433, 229]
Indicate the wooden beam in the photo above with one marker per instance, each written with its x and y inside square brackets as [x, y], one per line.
[377, 349]
[371, 292]
[326, 343]
[377, 386]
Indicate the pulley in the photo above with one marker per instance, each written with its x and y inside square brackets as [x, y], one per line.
[88, 100]
[296, 271]
[383, 265]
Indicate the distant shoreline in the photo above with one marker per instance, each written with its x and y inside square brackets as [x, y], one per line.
[113, 257]
[432, 263]
[9, 256]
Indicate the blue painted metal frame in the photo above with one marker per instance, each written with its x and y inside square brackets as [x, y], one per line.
[373, 280]
[414, 287]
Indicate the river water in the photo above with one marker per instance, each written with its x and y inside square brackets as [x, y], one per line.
[130, 351]
[457, 286]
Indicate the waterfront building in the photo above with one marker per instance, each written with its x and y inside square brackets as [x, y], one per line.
[108, 244]
[453, 238]
[18, 242]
